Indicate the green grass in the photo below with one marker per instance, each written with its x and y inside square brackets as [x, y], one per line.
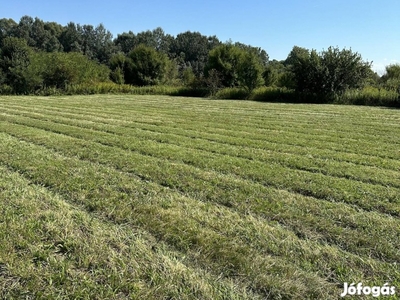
[156, 197]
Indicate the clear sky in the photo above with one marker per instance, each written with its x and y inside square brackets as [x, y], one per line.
[370, 27]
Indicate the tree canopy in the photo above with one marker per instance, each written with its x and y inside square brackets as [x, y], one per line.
[36, 54]
[329, 72]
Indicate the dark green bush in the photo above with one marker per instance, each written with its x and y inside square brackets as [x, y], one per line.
[273, 94]
[370, 96]
[145, 66]
[232, 93]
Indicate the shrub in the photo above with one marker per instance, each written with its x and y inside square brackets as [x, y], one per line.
[329, 73]
[370, 96]
[235, 67]
[232, 93]
[145, 66]
[15, 59]
[6, 89]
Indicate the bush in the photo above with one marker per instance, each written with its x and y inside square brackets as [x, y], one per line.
[15, 59]
[145, 66]
[329, 73]
[370, 96]
[273, 94]
[235, 67]
[6, 90]
[190, 92]
[232, 93]
[113, 88]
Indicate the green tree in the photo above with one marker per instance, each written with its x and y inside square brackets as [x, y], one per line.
[297, 53]
[62, 69]
[392, 72]
[328, 73]
[171, 72]
[250, 70]
[273, 72]
[42, 39]
[145, 66]
[14, 62]
[24, 30]
[391, 79]
[7, 27]
[191, 50]
[126, 41]
[260, 53]
[270, 76]
[188, 77]
[225, 60]
[344, 69]
[71, 38]
[118, 66]
[156, 39]
[237, 66]
[97, 43]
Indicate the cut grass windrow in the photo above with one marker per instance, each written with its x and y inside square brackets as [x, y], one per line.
[50, 249]
[277, 143]
[344, 119]
[167, 215]
[309, 217]
[160, 197]
[184, 223]
[367, 174]
[366, 196]
[299, 136]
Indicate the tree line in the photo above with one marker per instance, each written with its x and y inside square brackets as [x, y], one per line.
[35, 55]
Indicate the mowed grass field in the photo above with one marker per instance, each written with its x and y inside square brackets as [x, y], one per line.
[153, 197]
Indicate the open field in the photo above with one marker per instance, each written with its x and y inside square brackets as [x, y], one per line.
[153, 197]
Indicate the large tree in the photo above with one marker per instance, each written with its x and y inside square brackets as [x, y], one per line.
[7, 27]
[391, 78]
[145, 66]
[97, 43]
[126, 41]
[191, 49]
[62, 69]
[71, 38]
[328, 73]
[94, 42]
[15, 55]
[236, 66]
[225, 60]
[250, 70]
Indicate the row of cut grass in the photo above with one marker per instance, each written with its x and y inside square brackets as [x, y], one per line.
[306, 216]
[310, 163]
[364, 195]
[349, 148]
[187, 192]
[124, 200]
[313, 126]
[51, 249]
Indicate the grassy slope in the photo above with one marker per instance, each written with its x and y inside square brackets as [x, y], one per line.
[152, 197]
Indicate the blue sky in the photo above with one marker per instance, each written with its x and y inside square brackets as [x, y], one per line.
[370, 27]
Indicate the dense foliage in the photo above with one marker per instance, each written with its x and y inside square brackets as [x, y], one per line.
[40, 57]
[328, 73]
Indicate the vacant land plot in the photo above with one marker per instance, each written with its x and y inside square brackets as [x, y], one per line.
[150, 197]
